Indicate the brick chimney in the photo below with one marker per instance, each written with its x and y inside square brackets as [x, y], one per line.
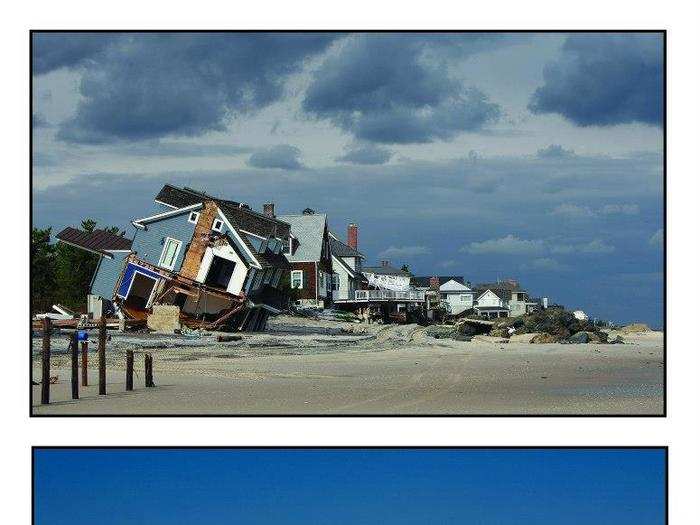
[200, 240]
[434, 283]
[269, 209]
[352, 235]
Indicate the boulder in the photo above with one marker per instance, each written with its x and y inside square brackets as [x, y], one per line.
[440, 331]
[577, 338]
[597, 337]
[545, 339]
[523, 338]
[499, 332]
[617, 340]
[634, 328]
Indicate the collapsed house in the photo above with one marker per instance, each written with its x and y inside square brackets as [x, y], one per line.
[217, 260]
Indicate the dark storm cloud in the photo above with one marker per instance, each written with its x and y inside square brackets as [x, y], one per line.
[283, 156]
[395, 89]
[147, 86]
[366, 154]
[602, 80]
[39, 121]
[51, 51]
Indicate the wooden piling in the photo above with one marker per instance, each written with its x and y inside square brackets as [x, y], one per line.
[129, 369]
[148, 365]
[74, 365]
[46, 362]
[102, 358]
[84, 363]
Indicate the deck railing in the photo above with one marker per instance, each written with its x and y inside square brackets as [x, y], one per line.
[389, 295]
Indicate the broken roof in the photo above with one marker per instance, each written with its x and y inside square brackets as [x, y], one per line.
[239, 215]
[308, 230]
[385, 270]
[97, 241]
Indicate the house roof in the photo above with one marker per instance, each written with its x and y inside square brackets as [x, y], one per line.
[454, 286]
[502, 293]
[238, 214]
[340, 249]
[510, 285]
[98, 241]
[385, 270]
[308, 230]
[424, 282]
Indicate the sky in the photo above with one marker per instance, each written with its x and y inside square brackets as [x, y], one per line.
[531, 156]
[350, 487]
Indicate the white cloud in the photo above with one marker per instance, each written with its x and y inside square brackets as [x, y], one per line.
[546, 264]
[404, 251]
[596, 246]
[621, 209]
[450, 263]
[658, 238]
[573, 211]
[510, 244]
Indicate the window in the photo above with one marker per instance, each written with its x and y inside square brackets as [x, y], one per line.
[336, 281]
[194, 217]
[297, 279]
[171, 248]
[465, 298]
[218, 225]
[321, 280]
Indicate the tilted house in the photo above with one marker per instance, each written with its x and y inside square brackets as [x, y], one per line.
[309, 255]
[216, 259]
[347, 266]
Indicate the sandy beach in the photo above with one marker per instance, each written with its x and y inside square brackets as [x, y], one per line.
[304, 366]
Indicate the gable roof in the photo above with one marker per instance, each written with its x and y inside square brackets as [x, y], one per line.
[100, 242]
[502, 293]
[454, 286]
[238, 214]
[308, 230]
[340, 249]
[355, 274]
[424, 281]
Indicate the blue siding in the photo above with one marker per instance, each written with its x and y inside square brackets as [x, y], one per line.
[107, 274]
[148, 243]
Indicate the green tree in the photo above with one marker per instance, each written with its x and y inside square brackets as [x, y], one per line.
[74, 270]
[43, 264]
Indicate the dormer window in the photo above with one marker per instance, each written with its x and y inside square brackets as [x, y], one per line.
[194, 217]
[218, 225]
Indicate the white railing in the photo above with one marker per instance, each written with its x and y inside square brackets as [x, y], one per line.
[389, 295]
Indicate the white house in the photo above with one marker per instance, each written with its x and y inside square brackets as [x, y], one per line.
[456, 297]
[347, 265]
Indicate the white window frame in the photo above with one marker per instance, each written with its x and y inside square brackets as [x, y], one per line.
[219, 227]
[161, 261]
[300, 274]
[193, 217]
[465, 298]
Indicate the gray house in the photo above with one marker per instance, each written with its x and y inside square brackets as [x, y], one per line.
[347, 266]
[217, 260]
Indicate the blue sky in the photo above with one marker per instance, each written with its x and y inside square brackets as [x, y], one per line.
[532, 156]
[353, 487]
